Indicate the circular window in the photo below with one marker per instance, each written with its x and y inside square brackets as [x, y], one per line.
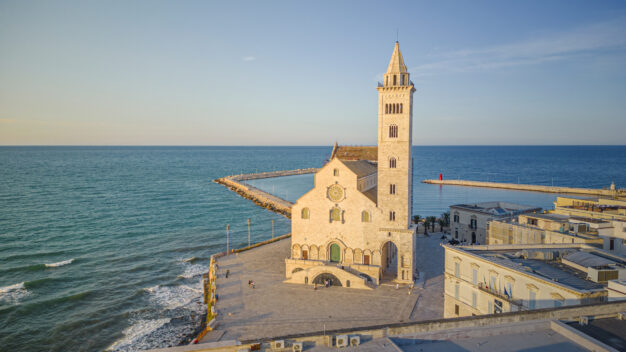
[335, 193]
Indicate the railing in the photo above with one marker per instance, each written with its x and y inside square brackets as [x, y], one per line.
[516, 302]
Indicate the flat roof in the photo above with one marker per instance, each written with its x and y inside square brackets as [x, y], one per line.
[610, 331]
[496, 208]
[548, 270]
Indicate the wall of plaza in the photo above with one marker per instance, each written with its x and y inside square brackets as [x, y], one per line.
[475, 285]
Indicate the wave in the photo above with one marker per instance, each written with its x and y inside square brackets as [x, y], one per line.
[12, 294]
[192, 271]
[134, 333]
[61, 263]
[173, 297]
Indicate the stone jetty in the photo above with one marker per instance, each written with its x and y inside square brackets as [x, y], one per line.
[608, 192]
[266, 200]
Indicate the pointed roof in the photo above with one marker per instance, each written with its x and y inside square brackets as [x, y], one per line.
[396, 64]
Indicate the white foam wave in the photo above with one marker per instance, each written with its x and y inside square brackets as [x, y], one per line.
[189, 259]
[14, 293]
[136, 332]
[192, 271]
[61, 263]
[172, 297]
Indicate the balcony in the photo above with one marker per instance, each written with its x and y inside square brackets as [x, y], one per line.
[502, 296]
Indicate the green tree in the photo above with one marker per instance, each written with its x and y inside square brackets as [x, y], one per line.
[416, 218]
[446, 218]
[441, 223]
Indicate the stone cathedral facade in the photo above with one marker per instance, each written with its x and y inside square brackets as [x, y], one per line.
[354, 227]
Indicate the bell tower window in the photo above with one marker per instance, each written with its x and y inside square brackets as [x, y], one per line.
[392, 163]
[393, 131]
[394, 80]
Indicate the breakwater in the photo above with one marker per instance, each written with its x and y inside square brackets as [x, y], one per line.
[261, 198]
[611, 192]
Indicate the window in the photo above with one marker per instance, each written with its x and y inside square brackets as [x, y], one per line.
[392, 189]
[305, 213]
[456, 309]
[456, 234]
[402, 80]
[400, 108]
[394, 80]
[475, 276]
[456, 217]
[492, 283]
[366, 259]
[473, 224]
[532, 302]
[558, 303]
[509, 289]
[365, 216]
[611, 244]
[456, 290]
[457, 269]
[474, 299]
[393, 131]
[386, 108]
[392, 216]
[336, 172]
[305, 254]
[335, 214]
[392, 163]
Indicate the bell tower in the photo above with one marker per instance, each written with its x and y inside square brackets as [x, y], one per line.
[395, 162]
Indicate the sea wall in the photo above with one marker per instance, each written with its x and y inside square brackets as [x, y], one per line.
[261, 198]
[532, 188]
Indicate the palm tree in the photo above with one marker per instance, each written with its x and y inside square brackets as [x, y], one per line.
[426, 223]
[416, 218]
[446, 218]
[441, 223]
[432, 220]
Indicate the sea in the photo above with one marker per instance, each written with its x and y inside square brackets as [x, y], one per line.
[103, 248]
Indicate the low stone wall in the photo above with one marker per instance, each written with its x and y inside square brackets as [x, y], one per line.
[269, 174]
[532, 188]
[439, 329]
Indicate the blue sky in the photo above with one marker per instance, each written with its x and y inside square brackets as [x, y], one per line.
[305, 73]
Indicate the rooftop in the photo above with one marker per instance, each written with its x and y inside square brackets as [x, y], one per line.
[497, 208]
[369, 153]
[361, 168]
[544, 262]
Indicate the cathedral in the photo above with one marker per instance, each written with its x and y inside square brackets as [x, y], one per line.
[353, 229]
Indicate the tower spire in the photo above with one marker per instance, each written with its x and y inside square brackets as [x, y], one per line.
[396, 64]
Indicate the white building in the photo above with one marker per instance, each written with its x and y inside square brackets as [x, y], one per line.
[469, 221]
[485, 279]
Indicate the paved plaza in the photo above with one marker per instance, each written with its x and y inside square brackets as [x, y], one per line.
[274, 308]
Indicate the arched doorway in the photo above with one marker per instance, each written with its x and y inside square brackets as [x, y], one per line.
[321, 278]
[335, 253]
[389, 260]
[473, 237]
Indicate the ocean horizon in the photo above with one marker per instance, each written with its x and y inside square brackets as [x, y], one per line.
[103, 247]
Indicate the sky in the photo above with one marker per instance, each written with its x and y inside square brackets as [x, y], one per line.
[305, 72]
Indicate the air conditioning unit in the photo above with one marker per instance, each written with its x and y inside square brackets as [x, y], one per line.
[341, 341]
[296, 347]
[278, 344]
[355, 340]
[583, 320]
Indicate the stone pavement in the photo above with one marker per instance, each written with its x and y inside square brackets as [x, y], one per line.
[274, 308]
